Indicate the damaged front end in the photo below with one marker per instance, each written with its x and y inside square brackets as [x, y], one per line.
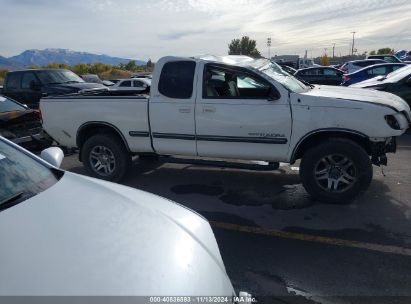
[24, 128]
[379, 147]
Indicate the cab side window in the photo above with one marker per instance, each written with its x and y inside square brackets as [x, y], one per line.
[28, 80]
[228, 83]
[176, 79]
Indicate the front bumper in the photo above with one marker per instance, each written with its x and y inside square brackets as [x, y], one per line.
[379, 149]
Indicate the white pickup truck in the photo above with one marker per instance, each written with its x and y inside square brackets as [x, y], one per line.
[234, 107]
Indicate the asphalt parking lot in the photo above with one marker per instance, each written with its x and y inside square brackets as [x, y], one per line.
[277, 242]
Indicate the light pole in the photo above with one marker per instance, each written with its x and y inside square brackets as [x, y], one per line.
[269, 47]
[353, 40]
[333, 49]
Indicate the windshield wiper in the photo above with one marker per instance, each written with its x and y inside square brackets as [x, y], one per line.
[11, 199]
[72, 81]
[305, 82]
[55, 83]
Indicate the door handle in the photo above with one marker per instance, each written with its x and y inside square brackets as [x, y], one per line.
[184, 110]
[208, 109]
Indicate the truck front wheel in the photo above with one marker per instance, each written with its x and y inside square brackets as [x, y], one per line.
[105, 157]
[336, 171]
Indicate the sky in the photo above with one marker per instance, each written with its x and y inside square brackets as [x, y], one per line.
[143, 29]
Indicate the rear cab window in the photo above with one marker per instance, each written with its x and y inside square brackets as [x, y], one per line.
[13, 81]
[177, 79]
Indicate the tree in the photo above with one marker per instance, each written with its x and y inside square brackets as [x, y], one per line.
[149, 64]
[3, 73]
[54, 65]
[373, 52]
[131, 66]
[244, 46]
[81, 69]
[386, 50]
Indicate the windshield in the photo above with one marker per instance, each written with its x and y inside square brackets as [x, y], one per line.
[58, 77]
[21, 175]
[291, 83]
[7, 105]
[399, 74]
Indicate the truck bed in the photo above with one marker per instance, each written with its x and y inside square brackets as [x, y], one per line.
[81, 110]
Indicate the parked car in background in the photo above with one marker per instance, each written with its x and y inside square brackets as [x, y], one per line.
[28, 86]
[398, 83]
[21, 125]
[306, 63]
[401, 54]
[320, 75]
[103, 238]
[371, 72]
[93, 78]
[114, 80]
[386, 57]
[133, 85]
[143, 75]
[355, 65]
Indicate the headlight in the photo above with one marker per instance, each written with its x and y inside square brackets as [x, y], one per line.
[397, 121]
[392, 122]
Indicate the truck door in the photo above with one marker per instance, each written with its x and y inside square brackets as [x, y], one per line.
[240, 115]
[172, 106]
[30, 89]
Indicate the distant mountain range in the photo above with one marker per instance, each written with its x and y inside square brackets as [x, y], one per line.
[44, 57]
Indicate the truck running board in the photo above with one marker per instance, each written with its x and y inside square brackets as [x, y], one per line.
[244, 165]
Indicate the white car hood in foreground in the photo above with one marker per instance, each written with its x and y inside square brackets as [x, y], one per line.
[88, 237]
[361, 95]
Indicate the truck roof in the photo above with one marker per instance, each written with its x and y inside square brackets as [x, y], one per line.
[236, 60]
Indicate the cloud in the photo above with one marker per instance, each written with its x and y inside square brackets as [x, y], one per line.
[144, 28]
[180, 34]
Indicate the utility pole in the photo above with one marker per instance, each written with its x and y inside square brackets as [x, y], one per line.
[353, 40]
[333, 49]
[269, 47]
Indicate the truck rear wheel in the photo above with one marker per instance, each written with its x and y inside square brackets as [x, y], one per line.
[336, 171]
[105, 157]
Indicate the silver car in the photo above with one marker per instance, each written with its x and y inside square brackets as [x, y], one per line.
[66, 234]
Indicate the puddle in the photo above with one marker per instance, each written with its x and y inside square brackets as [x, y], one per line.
[285, 197]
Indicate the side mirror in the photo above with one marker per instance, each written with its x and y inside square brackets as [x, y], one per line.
[54, 156]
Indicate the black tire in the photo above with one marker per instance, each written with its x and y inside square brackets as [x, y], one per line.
[332, 162]
[115, 150]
